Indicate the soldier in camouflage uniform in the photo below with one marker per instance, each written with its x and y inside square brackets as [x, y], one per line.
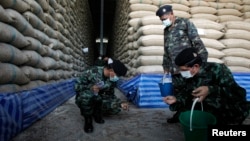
[215, 86]
[95, 92]
[179, 34]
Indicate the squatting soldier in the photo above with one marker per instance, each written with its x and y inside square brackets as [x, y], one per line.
[95, 92]
[213, 84]
[179, 33]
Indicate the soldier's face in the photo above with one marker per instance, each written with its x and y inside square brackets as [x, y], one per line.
[193, 70]
[166, 16]
[111, 73]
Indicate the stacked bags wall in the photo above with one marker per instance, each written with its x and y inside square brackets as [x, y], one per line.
[42, 42]
[223, 26]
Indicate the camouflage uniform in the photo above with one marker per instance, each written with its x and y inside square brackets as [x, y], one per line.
[226, 99]
[182, 35]
[105, 102]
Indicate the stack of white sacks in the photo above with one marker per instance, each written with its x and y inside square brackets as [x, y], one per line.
[223, 26]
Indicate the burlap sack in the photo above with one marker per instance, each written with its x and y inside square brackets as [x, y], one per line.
[215, 53]
[210, 33]
[237, 34]
[228, 11]
[50, 21]
[213, 43]
[18, 5]
[34, 73]
[246, 2]
[149, 30]
[12, 36]
[217, 5]
[134, 23]
[205, 16]
[44, 4]
[9, 88]
[143, 7]
[151, 50]
[243, 25]
[234, 6]
[237, 52]
[161, 2]
[237, 61]
[180, 7]
[231, 1]
[239, 69]
[149, 60]
[148, 20]
[151, 40]
[140, 14]
[245, 8]
[182, 14]
[149, 69]
[34, 20]
[236, 43]
[140, 1]
[11, 74]
[36, 9]
[184, 2]
[4, 17]
[208, 24]
[202, 10]
[215, 60]
[20, 23]
[225, 18]
[42, 37]
[198, 3]
[11, 54]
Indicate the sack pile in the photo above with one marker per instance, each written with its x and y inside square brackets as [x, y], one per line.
[223, 26]
[42, 42]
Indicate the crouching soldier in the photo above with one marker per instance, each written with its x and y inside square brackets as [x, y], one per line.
[95, 93]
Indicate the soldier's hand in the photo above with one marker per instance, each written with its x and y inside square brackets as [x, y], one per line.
[95, 88]
[169, 99]
[201, 92]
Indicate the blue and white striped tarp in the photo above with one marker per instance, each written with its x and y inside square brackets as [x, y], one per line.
[19, 110]
[144, 92]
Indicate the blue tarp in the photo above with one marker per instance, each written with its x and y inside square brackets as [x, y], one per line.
[143, 89]
[19, 110]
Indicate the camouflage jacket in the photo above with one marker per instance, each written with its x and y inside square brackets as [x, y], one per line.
[92, 76]
[226, 98]
[183, 35]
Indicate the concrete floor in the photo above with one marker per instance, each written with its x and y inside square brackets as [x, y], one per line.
[66, 124]
[138, 124]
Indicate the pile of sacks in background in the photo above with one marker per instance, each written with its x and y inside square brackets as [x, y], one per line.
[41, 41]
[223, 25]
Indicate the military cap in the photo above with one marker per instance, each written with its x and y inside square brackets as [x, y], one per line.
[163, 10]
[119, 68]
[186, 56]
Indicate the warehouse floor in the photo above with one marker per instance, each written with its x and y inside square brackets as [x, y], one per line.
[66, 124]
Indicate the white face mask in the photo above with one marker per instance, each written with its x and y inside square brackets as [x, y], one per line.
[114, 79]
[186, 74]
[167, 22]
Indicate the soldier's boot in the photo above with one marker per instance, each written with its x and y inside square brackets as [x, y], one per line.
[98, 113]
[88, 125]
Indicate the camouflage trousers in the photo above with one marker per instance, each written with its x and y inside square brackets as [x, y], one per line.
[106, 103]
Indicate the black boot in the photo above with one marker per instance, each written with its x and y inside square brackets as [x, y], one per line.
[175, 118]
[98, 113]
[88, 126]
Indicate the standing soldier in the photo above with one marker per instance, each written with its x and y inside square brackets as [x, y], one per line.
[95, 92]
[179, 34]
